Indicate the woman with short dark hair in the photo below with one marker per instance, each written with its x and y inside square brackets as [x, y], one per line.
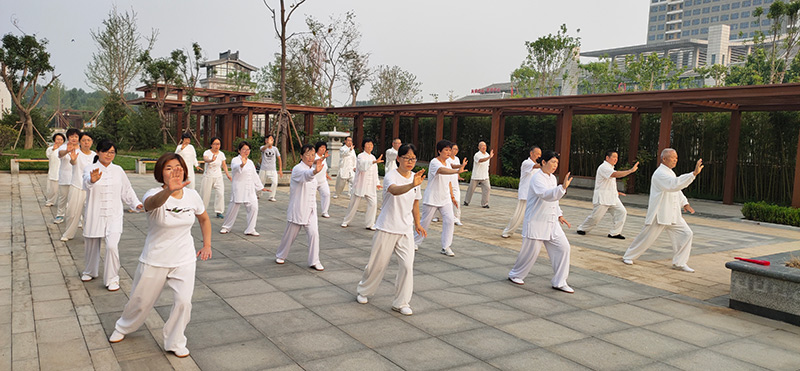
[79, 160]
[212, 177]
[244, 185]
[186, 150]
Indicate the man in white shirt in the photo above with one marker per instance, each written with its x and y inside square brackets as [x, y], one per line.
[347, 167]
[664, 212]
[606, 197]
[528, 168]
[269, 157]
[391, 156]
[480, 176]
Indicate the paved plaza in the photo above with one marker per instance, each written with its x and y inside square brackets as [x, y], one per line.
[251, 314]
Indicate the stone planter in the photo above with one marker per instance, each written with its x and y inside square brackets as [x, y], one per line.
[768, 291]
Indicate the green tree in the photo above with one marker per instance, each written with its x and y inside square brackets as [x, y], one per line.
[240, 81]
[23, 61]
[600, 77]
[393, 85]
[113, 112]
[651, 72]
[756, 70]
[716, 72]
[547, 59]
[136, 129]
[331, 43]
[189, 67]
[162, 76]
[783, 38]
[298, 90]
[356, 72]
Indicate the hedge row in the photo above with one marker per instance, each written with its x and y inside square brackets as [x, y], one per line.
[765, 212]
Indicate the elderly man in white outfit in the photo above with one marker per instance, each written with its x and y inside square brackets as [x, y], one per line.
[212, 177]
[65, 173]
[187, 152]
[391, 156]
[53, 164]
[302, 210]
[270, 158]
[527, 169]
[664, 212]
[480, 176]
[322, 179]
[244, 186]
[347, 168]
[542, 218]
[439, 197]
[606, 197]
[365, 187]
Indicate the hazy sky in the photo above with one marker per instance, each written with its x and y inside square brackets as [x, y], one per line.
[448, 44]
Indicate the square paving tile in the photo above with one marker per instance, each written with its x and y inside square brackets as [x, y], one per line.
[588, 322]
[729, 324]
[323, 343]
[705, 359]
[691, 333]
[428, 354]
[648, 343]
[240, 288]
[203, 311]
[630, 314]
[442, 322]
[486, 343]
[780, 338]
[383, 332]
[316, 296]
[493, 313]
[538, 305]
[454, 296]
[535, 359]
[542, 332]
[359, 360]
[600, 355]
[350, 312]
[287, 322]
[764, 355]
[255, 354]
[219, 332]
[269, 302]
[499, 290]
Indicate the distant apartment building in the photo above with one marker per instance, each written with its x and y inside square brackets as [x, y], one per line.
[671, 20]
[220, 72]
[5, 100]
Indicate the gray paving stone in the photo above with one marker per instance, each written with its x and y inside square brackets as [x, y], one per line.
[321, 296]
[486, 343]
[600, 355]
[429, 354]
[542, 332]
[630, 314]
[224, 331]
[136, 345]
[146, 363]
[424, 282]
[691, 333]
[240, 288]
[204, 311]
[52, 292]
[350, 312]
[493, 313]
[588, 322]
[669, 307]
[23, 346]
[729, 324]
[310, 345]
[383, 332]
[224, 275]
[454, 296]
[31, 364]
[287, 322]
[64, 355]
[780, 338]
[648, 343]
[21, 321]
[297, 282]
[104, 359]
[58, 330]
[53, 309]
[499, 290]
[584, 299]
[535, 359]
[109, 302]
[761, 354]
[463, 278]
[705, 359]
[474, 366]
[442, 322]
[360, 360]
[658, 366]
[256, 354]
[538, 305]
[269, 302]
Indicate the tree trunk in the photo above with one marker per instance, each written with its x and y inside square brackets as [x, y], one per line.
[27, 123]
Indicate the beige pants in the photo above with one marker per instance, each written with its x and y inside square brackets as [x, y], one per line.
[92, 257]
[516, 218]
[273, 177]
[447, 223]
[63, 196]
[52, 192]
[383, 245]
[217, 185]
[618, 212]
[340, 182]
[485, 188]
[369, 214]
[557, 249]
[75, 204]
[233, 211]
[290, 234]
[147, 286]
[679, 234]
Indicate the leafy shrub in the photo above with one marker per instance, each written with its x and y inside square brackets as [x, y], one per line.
[764, 212]
[140, 129]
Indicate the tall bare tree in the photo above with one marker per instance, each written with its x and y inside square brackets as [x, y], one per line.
[393, 85]
[356, 72]
[189, 66]
[334, 41]
[115, 64]
[162, 76]
[23, 60]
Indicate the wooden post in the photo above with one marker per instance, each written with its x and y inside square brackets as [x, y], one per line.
[382, 140]
[633, 150]
[494, 141]
[179, 126]
[439, 125]
[266, 124]
[453, 128]
[206, 132]
[359, 129]
[308, 119]
[564, 139]
[796, 187]
[732, 157]
[666, 128]
[415, 131]
[396, 126]
[228, 130]
[249, 123]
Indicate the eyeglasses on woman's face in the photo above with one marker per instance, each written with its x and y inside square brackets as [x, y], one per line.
[408, 159]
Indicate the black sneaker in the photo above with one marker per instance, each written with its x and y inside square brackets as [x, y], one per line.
[619, 236]
[466, 203]
[485, 206]
[580, 232]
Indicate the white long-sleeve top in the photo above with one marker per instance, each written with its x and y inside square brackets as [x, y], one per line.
[65, 169]
[103, 211]
[81, 163]
[542, 209]
[302, 194]
[526, 170]
[245, 181]
[366, 181]
[53, 164]
[189, 156]
[390, 164]
[666, 198]
[321, 176]
[347, 162]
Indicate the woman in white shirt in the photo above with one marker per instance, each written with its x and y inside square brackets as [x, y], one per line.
[65, 172]
[53, 164]
[212, 177]
[396, 224]
[541, 225]
[322, 179]
[244, 186]
[302, 210]
[168, 256]
[186, 150]
[107, 187]
[365, 186]
[79, 160]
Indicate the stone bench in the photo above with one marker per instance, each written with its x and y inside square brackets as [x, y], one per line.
[769, 291]
[15, 163]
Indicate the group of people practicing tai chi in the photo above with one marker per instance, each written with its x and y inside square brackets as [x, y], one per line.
[87, 184]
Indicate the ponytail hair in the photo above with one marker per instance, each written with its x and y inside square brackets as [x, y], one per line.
[105, 145]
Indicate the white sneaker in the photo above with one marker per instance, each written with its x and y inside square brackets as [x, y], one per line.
[406, 311]
[253, 233]
[435, 220]
[279, 261]
[86, 278]
[372, 228]
[113, 286]
[273, 200]
[627, 261]
[684, 268]
[504, 235]
[181, 353]
[223, 231]
[116, 337]
[318, 267]
[516, 280]
[48, 204]
[448, 251]
[58, 220]
[458, 222]
[344, 225]
[416, 247]
[564, 288]
[362, 299]
[64, 238]
[326, 215]
[335, 197]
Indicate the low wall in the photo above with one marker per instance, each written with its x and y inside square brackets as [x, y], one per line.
[769, 291]
[587, 182]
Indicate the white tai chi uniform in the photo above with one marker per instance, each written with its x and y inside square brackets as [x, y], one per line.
[269, 170]
[103, 218]
[189, 156]
[395, 227]
[664, 213]
[64, 181]
[605, 197]
[53, 165]
[455, 161]
[480, 177]
[542, 228]
[347, 168]
[364, 187]
[77, 194]
[302, 212]
[212, 180]
[323, 187]
[168, 257]
[391, 161]
[525, 172]
[437, 198]
[244, 185]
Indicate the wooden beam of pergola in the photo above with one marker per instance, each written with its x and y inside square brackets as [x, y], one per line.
[713, 104]
[611, 107]
[551, 111]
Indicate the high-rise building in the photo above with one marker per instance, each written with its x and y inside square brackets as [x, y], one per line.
[685, 19]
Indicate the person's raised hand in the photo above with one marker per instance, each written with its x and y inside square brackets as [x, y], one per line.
[463, 166]
[380, 159]
[564, 221]
[319, 165]
[698, 167]
[73, 155]
[174, 181]
[419, 176]
[95, 175]
[635, 166]
[567, 180]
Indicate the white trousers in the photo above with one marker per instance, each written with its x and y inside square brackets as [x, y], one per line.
[448, 225]
[191, 178]
[273, 181]
[324, 197]
[63, 196]
[75, 204]
[290, 234]
[516, 218]
[147, 286]
[457, 210]
[218, 186]
[618, 212]
[383, 245]
[233, 211]
[369, 214]
[340, 182]
[679, 234]
[557, 248]
[485, 188]
[52, 191]
[92, 257]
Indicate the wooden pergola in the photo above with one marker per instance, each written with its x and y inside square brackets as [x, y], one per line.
[785, 97]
